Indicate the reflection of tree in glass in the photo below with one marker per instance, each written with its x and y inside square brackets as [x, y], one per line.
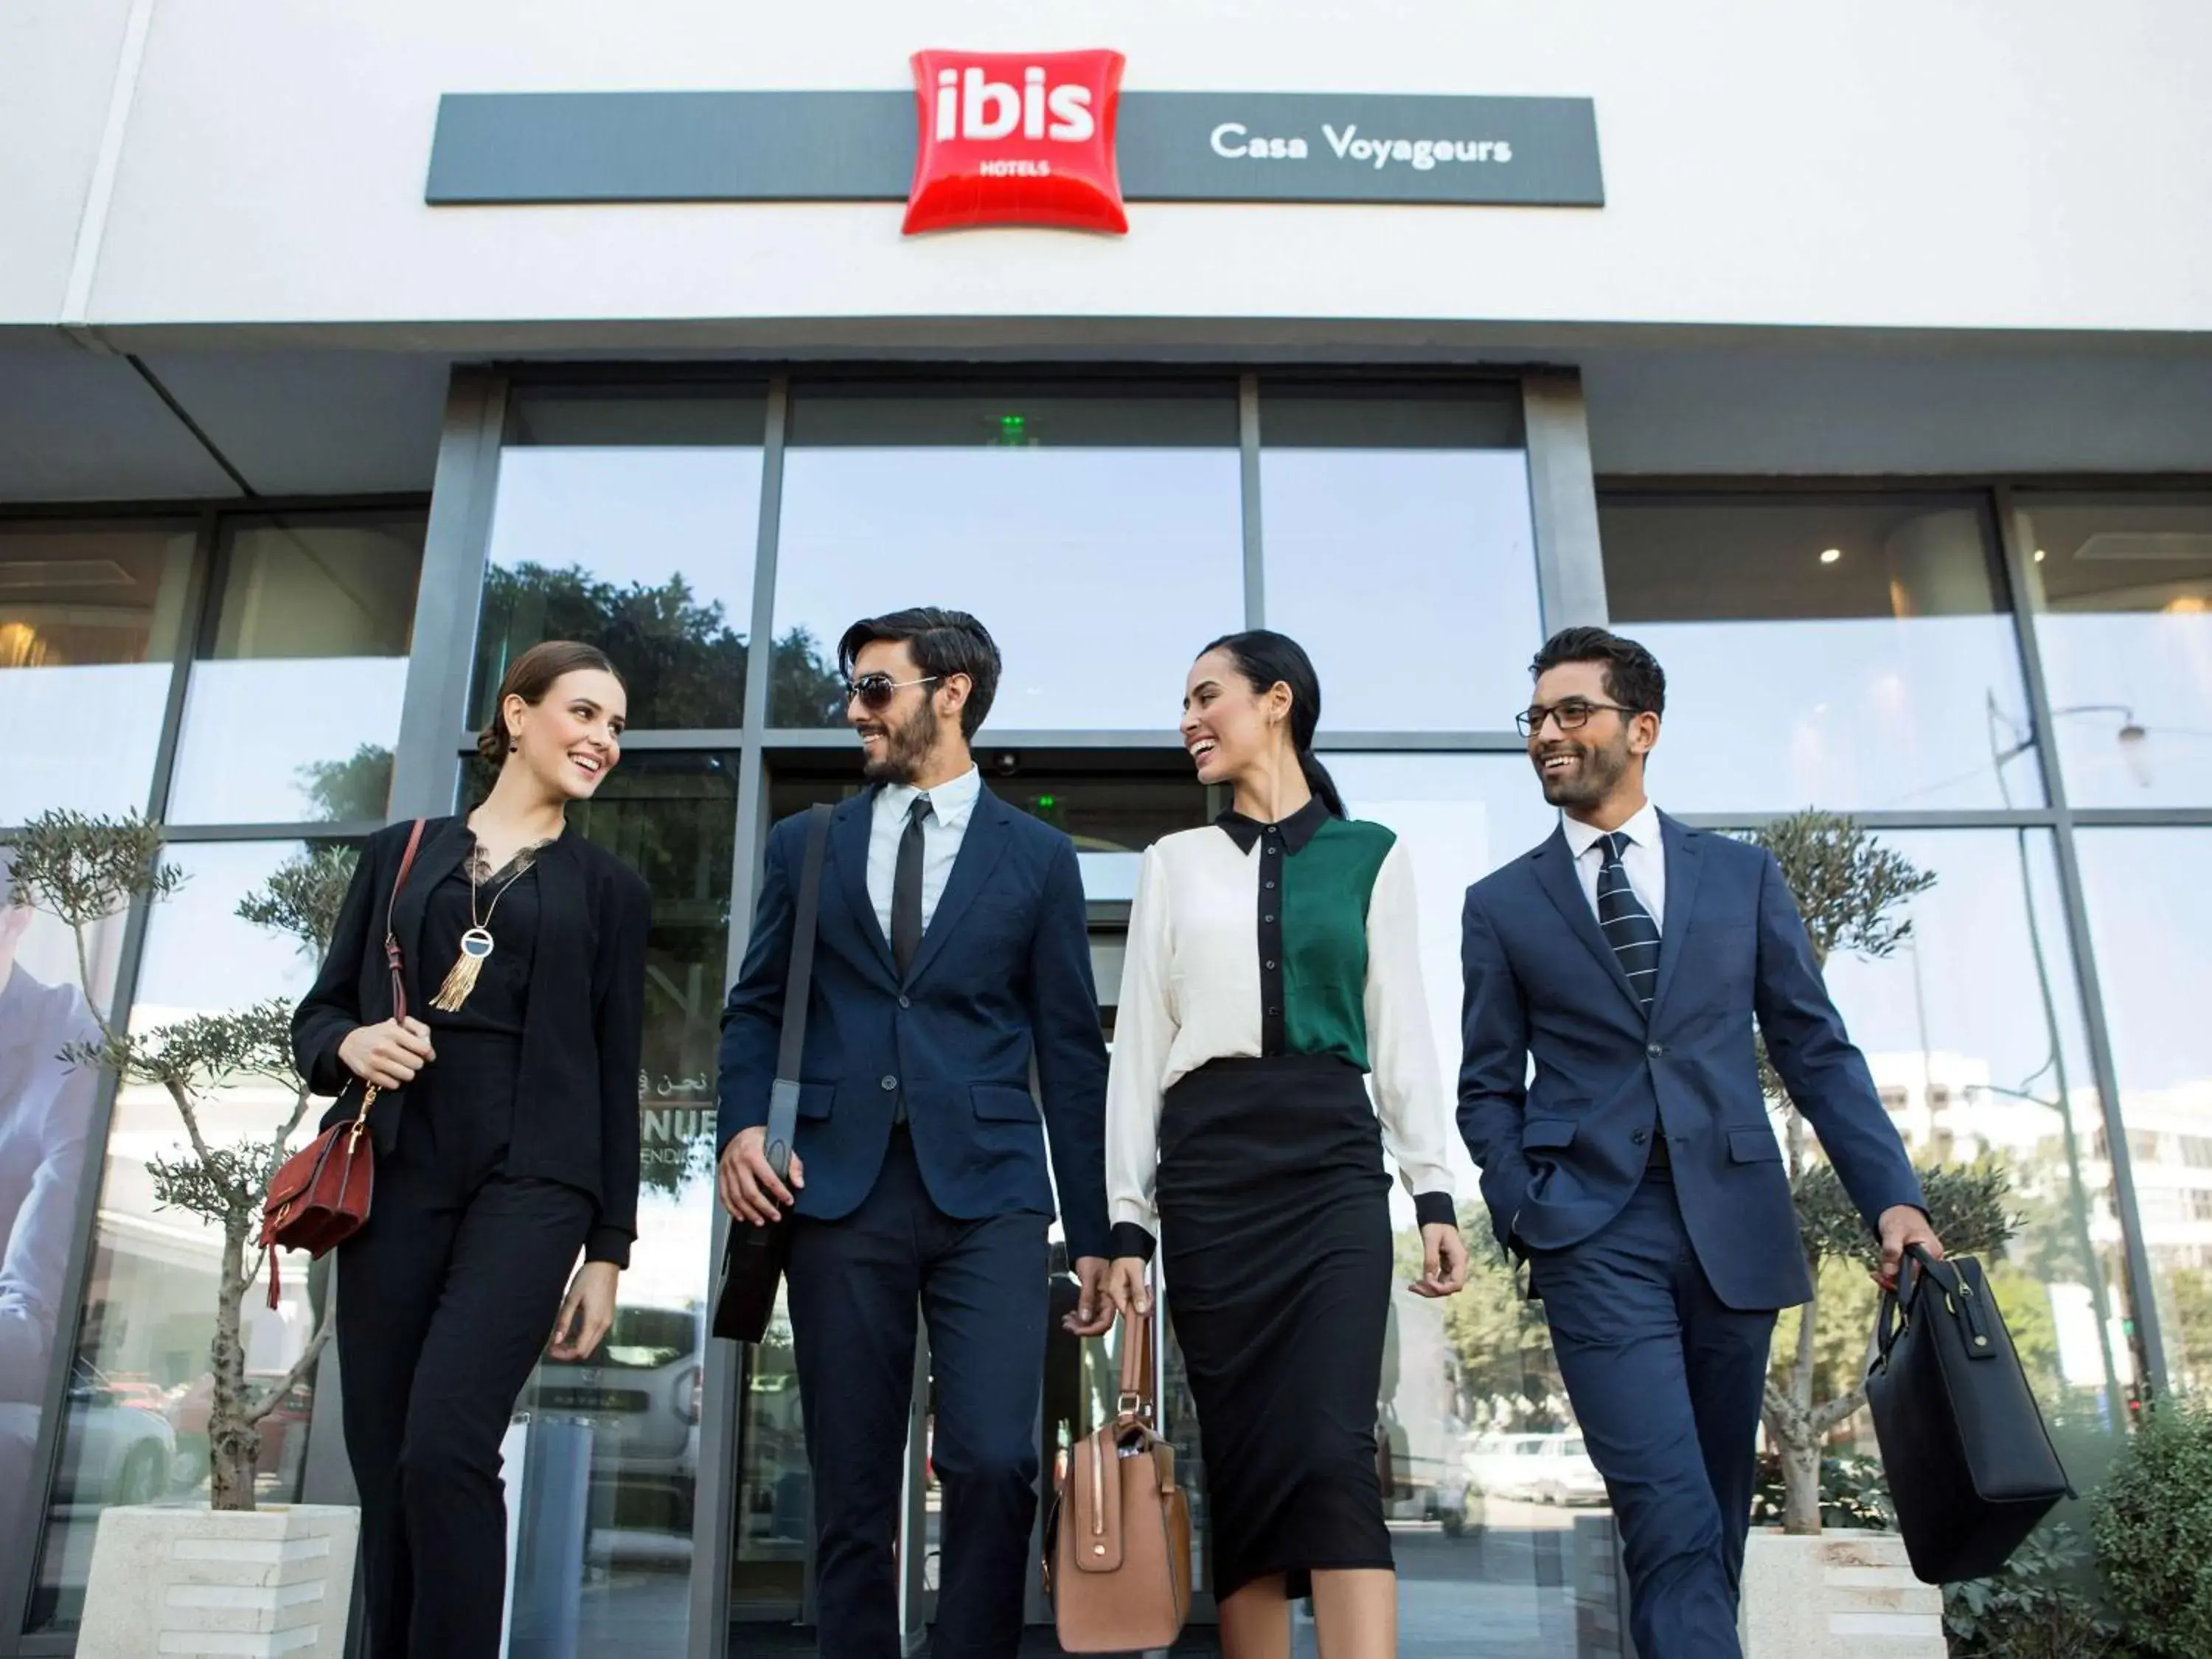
[803, 689]
[350, 791]
[1507, 1377]
[675, 825]
[683, 661]
[85, 870]
[2189, 1349]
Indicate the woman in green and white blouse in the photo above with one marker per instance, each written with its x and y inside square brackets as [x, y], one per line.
[1272, 969]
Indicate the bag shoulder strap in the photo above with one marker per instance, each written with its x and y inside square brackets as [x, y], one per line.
[798, 987]
[391, 929]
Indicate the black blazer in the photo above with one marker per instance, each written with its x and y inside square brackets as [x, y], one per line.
[581, 1033]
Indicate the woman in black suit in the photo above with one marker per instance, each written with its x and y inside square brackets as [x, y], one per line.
[506, 1129]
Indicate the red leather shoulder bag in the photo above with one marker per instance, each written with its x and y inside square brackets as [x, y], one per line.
[321, 1193]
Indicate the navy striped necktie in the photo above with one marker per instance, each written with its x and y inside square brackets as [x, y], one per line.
[1628, 926]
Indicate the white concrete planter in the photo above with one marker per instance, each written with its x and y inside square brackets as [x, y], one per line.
[274, 1584]
[1842, 1595]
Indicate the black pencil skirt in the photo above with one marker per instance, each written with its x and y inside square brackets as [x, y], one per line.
[1275, 1237]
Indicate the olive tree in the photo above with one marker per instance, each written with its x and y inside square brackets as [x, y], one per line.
[84, 870]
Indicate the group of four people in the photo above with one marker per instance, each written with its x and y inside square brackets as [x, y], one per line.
[1271, 1043]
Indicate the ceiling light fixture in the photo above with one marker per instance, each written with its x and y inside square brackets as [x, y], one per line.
[1832, 555]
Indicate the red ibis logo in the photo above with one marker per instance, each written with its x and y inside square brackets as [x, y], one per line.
[1016, 138]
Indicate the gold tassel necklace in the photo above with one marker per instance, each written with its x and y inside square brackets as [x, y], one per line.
[477, 943]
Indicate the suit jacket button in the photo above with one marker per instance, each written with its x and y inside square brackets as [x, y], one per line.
[890, 1084]
[905, 1002]
[1656, 1051]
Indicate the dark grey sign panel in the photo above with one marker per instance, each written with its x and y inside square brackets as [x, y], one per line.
[546, 147]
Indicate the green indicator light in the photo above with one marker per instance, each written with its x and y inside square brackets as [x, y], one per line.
[1048, 802]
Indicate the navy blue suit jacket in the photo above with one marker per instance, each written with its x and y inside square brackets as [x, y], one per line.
[1003, 974]
[1560, 1155]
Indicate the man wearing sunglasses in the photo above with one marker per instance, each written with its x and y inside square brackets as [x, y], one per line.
[1638, 1176]
[952, 949]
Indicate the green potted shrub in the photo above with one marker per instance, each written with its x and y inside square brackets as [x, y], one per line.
[83, 871]
[2151, 1522]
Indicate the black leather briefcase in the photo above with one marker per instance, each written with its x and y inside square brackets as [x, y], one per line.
[753, 1258]
[1972, 1468]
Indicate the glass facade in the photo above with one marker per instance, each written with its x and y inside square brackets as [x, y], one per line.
[2122, 590]
[242, 674]
[1423, 502]
[1846, 652]
[629, 522]
[1056, 517]
[90, 617]
[312, 615]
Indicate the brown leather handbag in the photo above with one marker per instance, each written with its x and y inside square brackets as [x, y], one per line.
[1117, 1548]
[320, 1194]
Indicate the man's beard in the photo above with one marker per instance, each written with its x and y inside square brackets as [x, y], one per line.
[906, 748]
[1601, 769]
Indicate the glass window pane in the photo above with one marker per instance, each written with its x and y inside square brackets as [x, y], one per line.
[1883, 676]
[1972, 1028]
[2150, 915]
[1423, 502]
[2123, 604]
[628, 521]
[45, 1115]
[1063, 522]
[293, 708]
[636, 1403]
[138, 1401]
[90, 619]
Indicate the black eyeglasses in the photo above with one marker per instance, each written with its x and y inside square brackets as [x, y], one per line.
[875, 691]
[1572, 715]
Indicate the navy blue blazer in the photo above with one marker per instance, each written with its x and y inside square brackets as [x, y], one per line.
[1560, 1155]
[1003, 974]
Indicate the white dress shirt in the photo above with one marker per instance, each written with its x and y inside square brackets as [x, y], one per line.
[950, 805]
[1644, 860]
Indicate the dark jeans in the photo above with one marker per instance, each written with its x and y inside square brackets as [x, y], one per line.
[444, 1303]
[854, 1286]
[1665, 1382]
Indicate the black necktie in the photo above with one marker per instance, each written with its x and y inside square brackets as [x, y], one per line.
[906, 890]
[1628, 926]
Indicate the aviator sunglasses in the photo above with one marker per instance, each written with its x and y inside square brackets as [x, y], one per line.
[874, 692]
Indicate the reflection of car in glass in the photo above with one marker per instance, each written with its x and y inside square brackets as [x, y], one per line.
[118, 1450]
[641, 1391]
[1565, 1473]
[1541, 1469]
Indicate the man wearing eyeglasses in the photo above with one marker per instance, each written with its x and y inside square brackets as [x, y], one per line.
[1638, 1176]
[951, 948]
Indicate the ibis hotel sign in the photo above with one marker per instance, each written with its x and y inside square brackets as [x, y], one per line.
[994, 138]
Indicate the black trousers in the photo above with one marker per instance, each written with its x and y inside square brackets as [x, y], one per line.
[854, 1286]
[445, 1299]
